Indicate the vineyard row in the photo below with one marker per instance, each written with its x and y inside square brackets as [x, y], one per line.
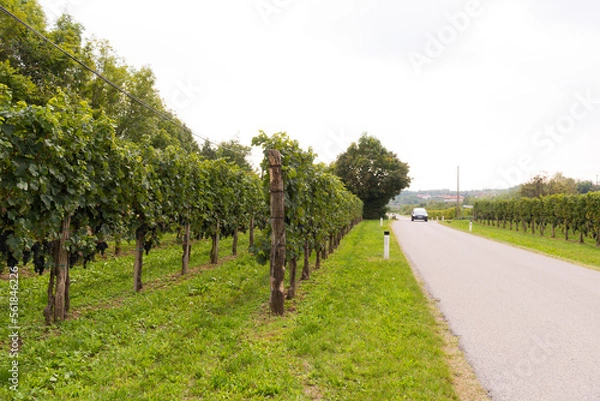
[576, 214]
[68, 184]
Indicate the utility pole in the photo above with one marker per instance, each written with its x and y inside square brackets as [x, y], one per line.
[458, 214]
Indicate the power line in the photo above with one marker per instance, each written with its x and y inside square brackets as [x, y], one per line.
[108, 81]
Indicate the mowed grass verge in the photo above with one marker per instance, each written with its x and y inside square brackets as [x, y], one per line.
[360, 329]
[586, 254]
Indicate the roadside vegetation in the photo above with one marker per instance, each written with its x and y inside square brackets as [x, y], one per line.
[586, 253]
[359, 329]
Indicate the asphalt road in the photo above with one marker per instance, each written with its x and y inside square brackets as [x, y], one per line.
[528, 324]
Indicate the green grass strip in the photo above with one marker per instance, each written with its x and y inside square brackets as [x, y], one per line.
[365, 331]
[360, 329]
[586, 254]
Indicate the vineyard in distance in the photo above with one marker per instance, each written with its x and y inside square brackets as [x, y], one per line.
[557, 215]
[548, 206]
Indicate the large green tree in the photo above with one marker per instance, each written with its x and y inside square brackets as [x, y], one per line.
[373, 173]
[35, 72]
[541, 185]
[234, 151]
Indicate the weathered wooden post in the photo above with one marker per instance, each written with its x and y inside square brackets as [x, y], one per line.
[185, 259]
[278, 232]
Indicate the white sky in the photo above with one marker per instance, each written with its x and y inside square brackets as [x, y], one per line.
[508, 88]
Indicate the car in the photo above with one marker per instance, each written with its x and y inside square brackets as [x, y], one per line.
[418, 213]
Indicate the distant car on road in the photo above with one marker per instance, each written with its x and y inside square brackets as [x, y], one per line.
[419, 213]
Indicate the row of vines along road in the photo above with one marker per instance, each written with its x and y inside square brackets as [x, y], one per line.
[68, 184]
[577, 214]
[449, 213]
[318, 211]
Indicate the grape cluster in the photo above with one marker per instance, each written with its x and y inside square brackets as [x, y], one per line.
[89, 256]
[152, 241]
[101, 247]
[5, 251]
[40, 250]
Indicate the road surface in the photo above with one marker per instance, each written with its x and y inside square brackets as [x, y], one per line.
[528, 324]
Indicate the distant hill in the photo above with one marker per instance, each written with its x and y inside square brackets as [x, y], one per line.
[446, 196]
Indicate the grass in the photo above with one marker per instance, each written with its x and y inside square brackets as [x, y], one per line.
[360, 329]
[365, 332]
[586, 254]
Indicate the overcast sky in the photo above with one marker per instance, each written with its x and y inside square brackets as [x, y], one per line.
[504, 89]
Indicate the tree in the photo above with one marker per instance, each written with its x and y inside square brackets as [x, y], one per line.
[559, 184]
[23, 89]
[373, 173]
[535, 187]
[233, 151]
[583, 187]
[35, 72]
[207, 151]
[20, 48]
[541, 185]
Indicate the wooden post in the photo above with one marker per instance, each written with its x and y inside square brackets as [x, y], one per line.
[278, 232]
[317, 252]
[291, 294]
[318, 260]
[118, 245]
[62, 261]
[251, 234]
[49, 309]
[185, 260]
[331, 245]
[140, 235]
[306, 265]
[234, 246]
[58, 286]
[214, 250]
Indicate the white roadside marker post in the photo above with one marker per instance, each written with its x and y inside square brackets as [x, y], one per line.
[381, 222]
[470, 226]
[386, 244]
